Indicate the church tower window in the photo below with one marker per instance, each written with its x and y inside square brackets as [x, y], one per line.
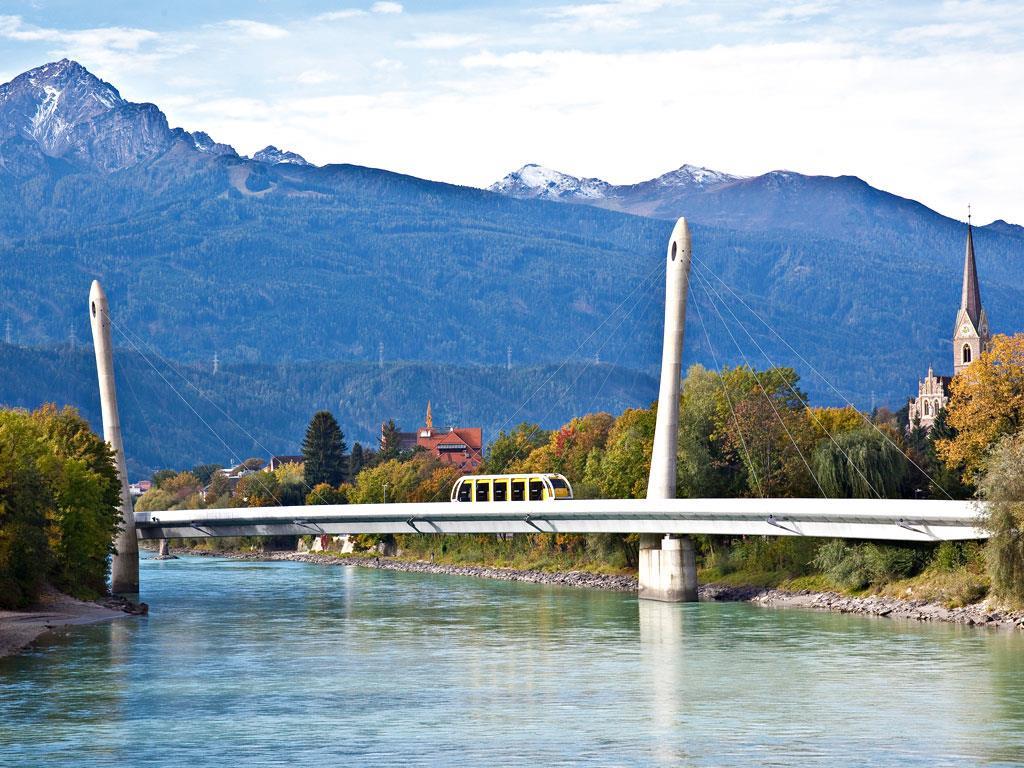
[967, 353]
[927, 408]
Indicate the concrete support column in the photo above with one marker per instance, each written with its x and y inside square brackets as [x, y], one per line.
[668, 569]
[165, 549]
[124, 571]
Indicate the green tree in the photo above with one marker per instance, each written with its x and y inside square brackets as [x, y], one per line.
[1002, 485]
[25, 497]
[859, 464]
[355, 462]
[205, 471]
[513, 446]
[258, 489]
[388, 441]
[622, 470]
[323, 451]
[86, 502]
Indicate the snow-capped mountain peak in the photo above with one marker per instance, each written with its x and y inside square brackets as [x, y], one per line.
[694, 176]
[536, 181]
[271, 155]
[67, 112]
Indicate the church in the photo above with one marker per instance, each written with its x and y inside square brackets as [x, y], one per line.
[971, 337]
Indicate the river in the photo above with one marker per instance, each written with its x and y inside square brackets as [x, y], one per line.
[264, 664]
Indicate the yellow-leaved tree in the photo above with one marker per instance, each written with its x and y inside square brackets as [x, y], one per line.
[986, 404]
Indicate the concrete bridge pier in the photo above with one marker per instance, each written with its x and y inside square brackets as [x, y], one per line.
[668, 567]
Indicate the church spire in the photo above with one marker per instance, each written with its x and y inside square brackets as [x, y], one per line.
[970, 299]
[430, 417]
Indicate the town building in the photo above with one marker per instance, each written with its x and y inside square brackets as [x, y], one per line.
[460, 447]
[971, 337]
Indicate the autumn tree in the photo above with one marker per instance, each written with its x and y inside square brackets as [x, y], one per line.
[622, 469]
[323, 451]
[986, 404]
[513, 446]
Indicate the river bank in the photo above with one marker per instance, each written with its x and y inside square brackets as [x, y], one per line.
[978, 614]
[19, 629]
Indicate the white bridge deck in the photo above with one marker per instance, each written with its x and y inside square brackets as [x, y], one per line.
[892, 520]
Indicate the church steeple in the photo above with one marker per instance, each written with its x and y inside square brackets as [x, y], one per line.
[970, 336]
[430, 417]
[970, 298]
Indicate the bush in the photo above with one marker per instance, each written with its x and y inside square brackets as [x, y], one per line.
[859, 566]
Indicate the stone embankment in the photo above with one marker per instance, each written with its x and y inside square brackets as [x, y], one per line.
[916, 610]
[979, 614]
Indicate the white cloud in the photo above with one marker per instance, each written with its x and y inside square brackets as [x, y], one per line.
[385, 6]
[315, 77]
[797, 11]
[118, 38]
[388, 65]
[442, 41]
[604, 16]
[257, 30]
[345, 13]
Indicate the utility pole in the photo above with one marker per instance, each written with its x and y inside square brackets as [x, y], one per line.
[7, 331]
[216, 363]
[72, 337]
[380, 355]
[508, 358]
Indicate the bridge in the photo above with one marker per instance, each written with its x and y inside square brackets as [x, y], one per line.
[667, 567]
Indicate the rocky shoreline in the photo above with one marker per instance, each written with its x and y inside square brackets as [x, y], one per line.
[980, 614]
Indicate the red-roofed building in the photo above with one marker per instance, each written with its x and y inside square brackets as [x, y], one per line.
[460, 447]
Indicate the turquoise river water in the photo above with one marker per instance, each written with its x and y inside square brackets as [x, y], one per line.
[259, 664]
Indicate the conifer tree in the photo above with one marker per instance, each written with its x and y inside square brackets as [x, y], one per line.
[355, 462]
[323, 451]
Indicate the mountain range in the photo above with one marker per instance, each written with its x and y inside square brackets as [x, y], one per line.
[276, 266]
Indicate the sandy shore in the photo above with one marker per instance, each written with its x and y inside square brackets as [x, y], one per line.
[55, 610]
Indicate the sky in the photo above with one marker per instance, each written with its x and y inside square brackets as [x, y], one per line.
[923, 99]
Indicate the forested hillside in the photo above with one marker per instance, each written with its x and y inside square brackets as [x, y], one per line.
[257, 409]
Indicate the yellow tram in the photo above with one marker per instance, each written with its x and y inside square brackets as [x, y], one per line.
[525, 487]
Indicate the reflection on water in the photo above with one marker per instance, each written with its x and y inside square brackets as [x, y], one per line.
[282, 662]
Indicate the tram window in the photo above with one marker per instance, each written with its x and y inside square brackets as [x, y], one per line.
[536, 490]
[557, 482]
[465, 490]
[483, 489]
[518, 490]
[501, 490]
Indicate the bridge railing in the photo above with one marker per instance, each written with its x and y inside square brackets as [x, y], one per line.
[889, 519]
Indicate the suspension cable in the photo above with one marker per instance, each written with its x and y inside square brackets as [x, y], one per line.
[831, 386]
[764, 392]
[797, 395]
[186, 402]
[728, 397]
